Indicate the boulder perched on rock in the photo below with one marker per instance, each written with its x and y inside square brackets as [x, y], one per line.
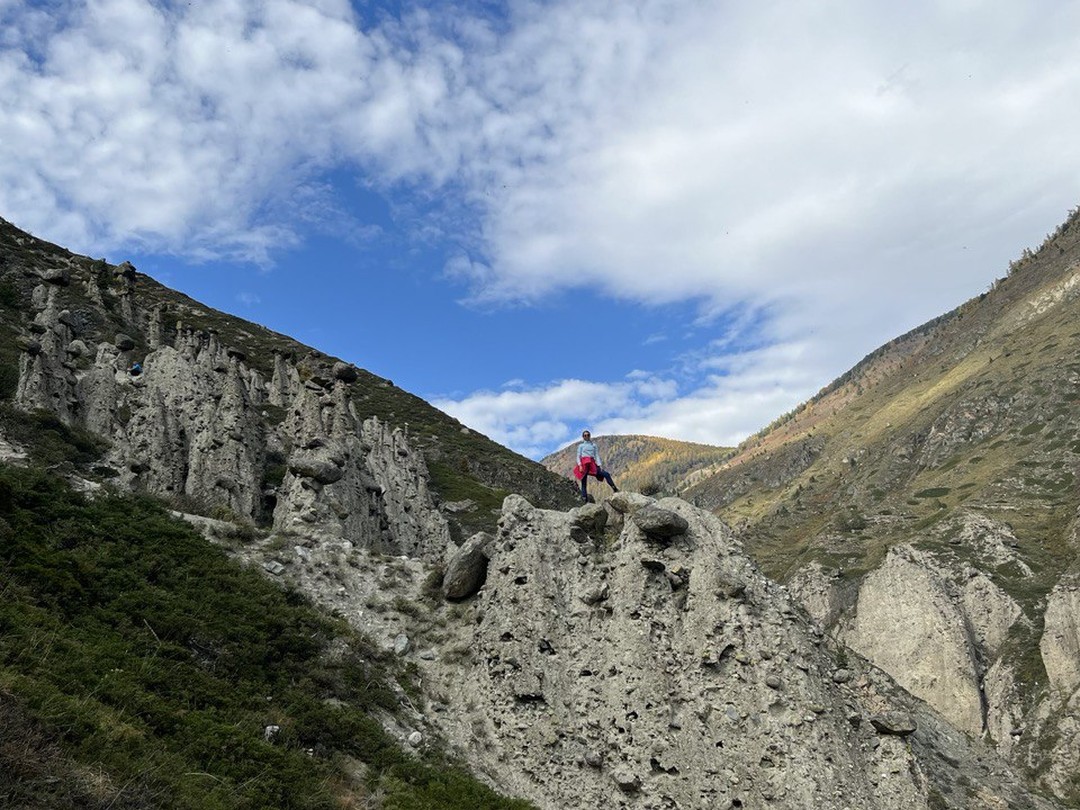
[318, 466]
[894, 722]
[345, 372]
[467, 568]
[625, 502]
[60, 276]
[658, 522]
[124, 343]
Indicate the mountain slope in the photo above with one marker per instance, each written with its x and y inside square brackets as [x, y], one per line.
[228, 414]
[944, 463]
[619, 655]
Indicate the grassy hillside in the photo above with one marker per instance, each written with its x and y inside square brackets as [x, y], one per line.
[140, 668]
[980, 407]
[965, 429]
[643, 463]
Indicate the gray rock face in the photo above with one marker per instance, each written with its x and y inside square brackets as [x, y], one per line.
[194, 424]
[909, 624]
[614, 672]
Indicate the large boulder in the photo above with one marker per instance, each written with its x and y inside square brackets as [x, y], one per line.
[658, 522]
[320, 466]
[467, 568]
[625, 502]
[345, 372]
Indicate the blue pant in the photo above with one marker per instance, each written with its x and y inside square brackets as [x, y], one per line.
[602, 475]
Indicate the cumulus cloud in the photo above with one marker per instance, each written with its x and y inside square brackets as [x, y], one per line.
[536, 419]
[821, 177]
[739, 393]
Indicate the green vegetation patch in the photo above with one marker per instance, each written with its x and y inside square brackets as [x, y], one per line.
[933, 492]
[133, 650]
[49, 441]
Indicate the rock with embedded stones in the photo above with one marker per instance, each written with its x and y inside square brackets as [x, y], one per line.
[592, 517]
[626, 780]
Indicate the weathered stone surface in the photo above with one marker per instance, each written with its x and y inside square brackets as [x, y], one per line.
[345, 372]
[895, 722]
[658, 522]
[124, 342]
[467, 567]
[909, 623]
[591, 517]
[600, 680]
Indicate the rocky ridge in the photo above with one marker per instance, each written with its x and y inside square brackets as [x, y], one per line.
[227, 417]
[197, 422]
[631, 655]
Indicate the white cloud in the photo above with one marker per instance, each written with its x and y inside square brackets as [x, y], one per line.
[536, 420]
[741, 392]
[832, 174]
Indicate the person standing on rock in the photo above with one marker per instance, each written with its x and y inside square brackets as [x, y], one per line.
[588, 463]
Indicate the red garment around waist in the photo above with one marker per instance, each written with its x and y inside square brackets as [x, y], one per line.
[585, 466]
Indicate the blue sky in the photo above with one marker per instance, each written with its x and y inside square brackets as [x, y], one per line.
[652, 216]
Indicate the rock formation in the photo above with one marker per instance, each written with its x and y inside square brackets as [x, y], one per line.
[601, 666]
[198, 422]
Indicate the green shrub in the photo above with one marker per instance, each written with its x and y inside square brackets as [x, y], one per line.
[933, 492]
[9, 380]
[141, 653]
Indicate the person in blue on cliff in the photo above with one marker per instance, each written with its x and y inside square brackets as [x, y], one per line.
[588, 463]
